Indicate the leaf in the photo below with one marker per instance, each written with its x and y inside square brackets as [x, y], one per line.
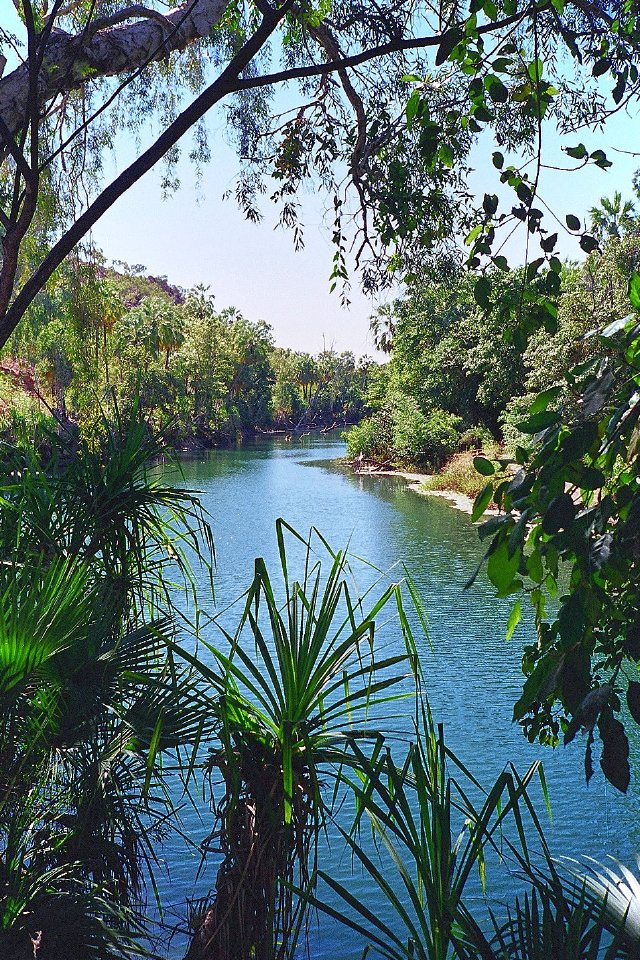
[497, 90]
[450, 39]
[535, 70]
[543, 399]
[572, 222]
[413, 105]
[481, 502]
[578, 153]
[490, 204]
[588, 243]
[497, 159]
[634, 290]
[446, 154]
[588, 758]
[599, 157]
[514, 620]
[615, 753]
[482, 291]
[501, 568]
[560, 514]
[539, 421]
[633, 699]
[600, 67]
[484, 466]
[548, 243]
[482, 113]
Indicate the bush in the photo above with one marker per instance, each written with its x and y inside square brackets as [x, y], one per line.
[424, 439]
[402, 433]
[369, 439]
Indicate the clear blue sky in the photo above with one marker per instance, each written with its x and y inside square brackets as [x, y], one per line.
[196, 237]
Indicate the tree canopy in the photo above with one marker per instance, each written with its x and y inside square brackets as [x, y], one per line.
[384, 103]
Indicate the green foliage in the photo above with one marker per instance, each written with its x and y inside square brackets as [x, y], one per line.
[210, 376]
[294, 689]
[92, 703]
[571, 517]
[460, 474]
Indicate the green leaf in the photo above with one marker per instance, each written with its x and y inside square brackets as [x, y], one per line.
[501, 568]
[484, 466]
[473, 234]
[413, 105]
[599, 157]
[634, 290]
[497, 159]
[449, 40]
[482, 292]
[578, 153]
[535, 70]
[490, 204]
[514, 620]
[539, 421]
[446, 155]
[496, 89]
[543, 399]
[572, 222]
[481, 502]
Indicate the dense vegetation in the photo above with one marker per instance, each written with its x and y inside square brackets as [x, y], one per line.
[462, 374]
[99, 701]
[204, 375]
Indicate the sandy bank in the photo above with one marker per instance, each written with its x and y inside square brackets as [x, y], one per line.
[416, 483]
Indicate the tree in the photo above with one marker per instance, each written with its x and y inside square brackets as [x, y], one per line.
[89, 68]
[612, 218]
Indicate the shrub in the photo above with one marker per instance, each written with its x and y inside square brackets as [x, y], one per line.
[369, 439]
[460, 475]
[422, 438]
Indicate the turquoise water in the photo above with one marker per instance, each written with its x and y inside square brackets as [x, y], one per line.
[472, 675]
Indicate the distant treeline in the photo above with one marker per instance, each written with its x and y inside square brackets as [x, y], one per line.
[205, 375]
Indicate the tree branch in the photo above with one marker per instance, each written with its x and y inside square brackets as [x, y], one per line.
[106, 53]
[225, 83]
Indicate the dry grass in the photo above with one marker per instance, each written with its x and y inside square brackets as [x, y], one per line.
[458, 473]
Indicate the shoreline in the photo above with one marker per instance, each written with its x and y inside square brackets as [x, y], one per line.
[415, 482]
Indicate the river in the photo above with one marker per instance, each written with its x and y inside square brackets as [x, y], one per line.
[472, 675]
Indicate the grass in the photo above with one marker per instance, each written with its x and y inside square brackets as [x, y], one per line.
[459, 474]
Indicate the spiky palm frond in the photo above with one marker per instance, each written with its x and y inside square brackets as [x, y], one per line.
[413, 809]
[296, 685]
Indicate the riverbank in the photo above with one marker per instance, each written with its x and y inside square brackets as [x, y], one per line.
[417, 482]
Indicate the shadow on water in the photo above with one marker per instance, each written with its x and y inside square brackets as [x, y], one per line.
[472, 675]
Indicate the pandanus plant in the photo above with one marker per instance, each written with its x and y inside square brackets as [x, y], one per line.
[294, 688]
[92, 702]
[436, 825]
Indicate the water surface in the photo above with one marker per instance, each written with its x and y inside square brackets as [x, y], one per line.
[473, 676]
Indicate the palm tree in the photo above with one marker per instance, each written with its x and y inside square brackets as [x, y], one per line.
[288, 713]
[612, 218]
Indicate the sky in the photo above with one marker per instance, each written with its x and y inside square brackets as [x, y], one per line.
[196, 237]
